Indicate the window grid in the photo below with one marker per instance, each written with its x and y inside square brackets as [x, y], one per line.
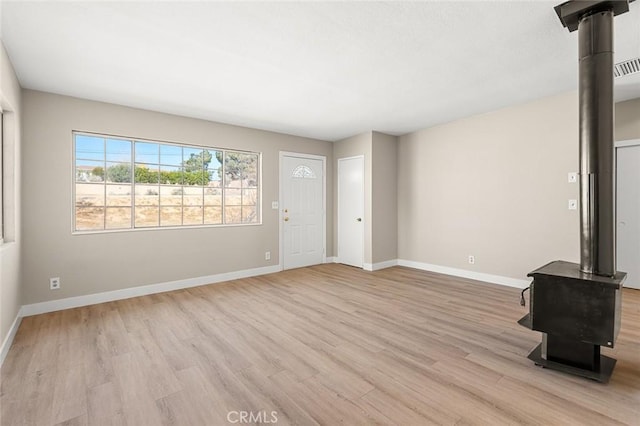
[223, 186]
[132, 182]
[159, 166]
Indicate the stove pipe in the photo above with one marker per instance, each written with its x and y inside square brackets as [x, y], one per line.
[594, 21]
[597, 159]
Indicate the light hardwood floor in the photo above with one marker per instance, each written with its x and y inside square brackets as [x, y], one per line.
[328, 344]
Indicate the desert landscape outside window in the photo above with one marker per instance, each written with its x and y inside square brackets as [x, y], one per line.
[122, 183]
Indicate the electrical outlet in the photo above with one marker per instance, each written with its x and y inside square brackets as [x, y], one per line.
[573, 177]
[573, 204]
[472, 260]
[267, 255]
[274, 205]
[54, 283]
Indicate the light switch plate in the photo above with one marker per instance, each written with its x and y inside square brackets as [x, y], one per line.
[274, 205]
[573, 177]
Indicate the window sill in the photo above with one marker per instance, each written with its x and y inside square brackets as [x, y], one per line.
[163, 228]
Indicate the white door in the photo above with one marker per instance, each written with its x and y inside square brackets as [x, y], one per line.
[628, 212]
[351, 211]
[302, 211]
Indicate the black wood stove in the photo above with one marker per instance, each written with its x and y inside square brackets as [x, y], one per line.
[577, 313]
[577, 306]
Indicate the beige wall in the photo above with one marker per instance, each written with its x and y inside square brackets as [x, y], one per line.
[384, 201]
[95, 263]
[380, 189]
[628, 120]
[493, 186]
[10, 100]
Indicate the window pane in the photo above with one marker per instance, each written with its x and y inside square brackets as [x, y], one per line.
[194, 166]
[170, 216]
[118, 172]
[118, 195]
[241, 169]
[89, 171]
[192, 196]
[192, 216]
[170, 175]
[147, 195]
[89, 218]
[214, 168]
[146, 173]
[192, 159]
[89, 147]
[303, 172]
[212, 197]
[118, 217]
[214, 183]
[89, 195]
[233, 197]
[171, 155]
[118, 150]
[212, 215]
[249, 214]
[194, 178]
[249, 197]
[171, 196]
[233, 214]
[147, 153]
[146, 216]
[251, 176]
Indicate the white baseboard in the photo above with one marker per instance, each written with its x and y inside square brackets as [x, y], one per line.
[126, 293]
[8, 340]
[463, 273]
[109, 296]
[380, 265]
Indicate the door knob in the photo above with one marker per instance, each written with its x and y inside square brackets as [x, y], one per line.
[359, 219]
[286, 219]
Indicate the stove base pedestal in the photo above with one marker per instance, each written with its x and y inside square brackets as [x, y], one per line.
[601, 374]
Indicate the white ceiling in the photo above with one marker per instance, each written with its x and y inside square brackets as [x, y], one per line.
[326, 70]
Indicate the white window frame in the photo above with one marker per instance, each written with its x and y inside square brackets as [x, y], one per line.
[2, 189]
[133, 140]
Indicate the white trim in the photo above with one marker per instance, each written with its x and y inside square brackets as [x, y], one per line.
[126, 293]
[381, 265]
[630, 142]
[463, 273]
[6, 344]
[132, 184]
[364, 209]
[332, 259]
[324, 203]
[624, 144]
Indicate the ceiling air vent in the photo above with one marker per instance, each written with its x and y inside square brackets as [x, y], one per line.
[631, 66]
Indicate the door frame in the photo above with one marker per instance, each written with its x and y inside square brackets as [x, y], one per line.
[622, 144]
[280, 198]
[364, 206]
